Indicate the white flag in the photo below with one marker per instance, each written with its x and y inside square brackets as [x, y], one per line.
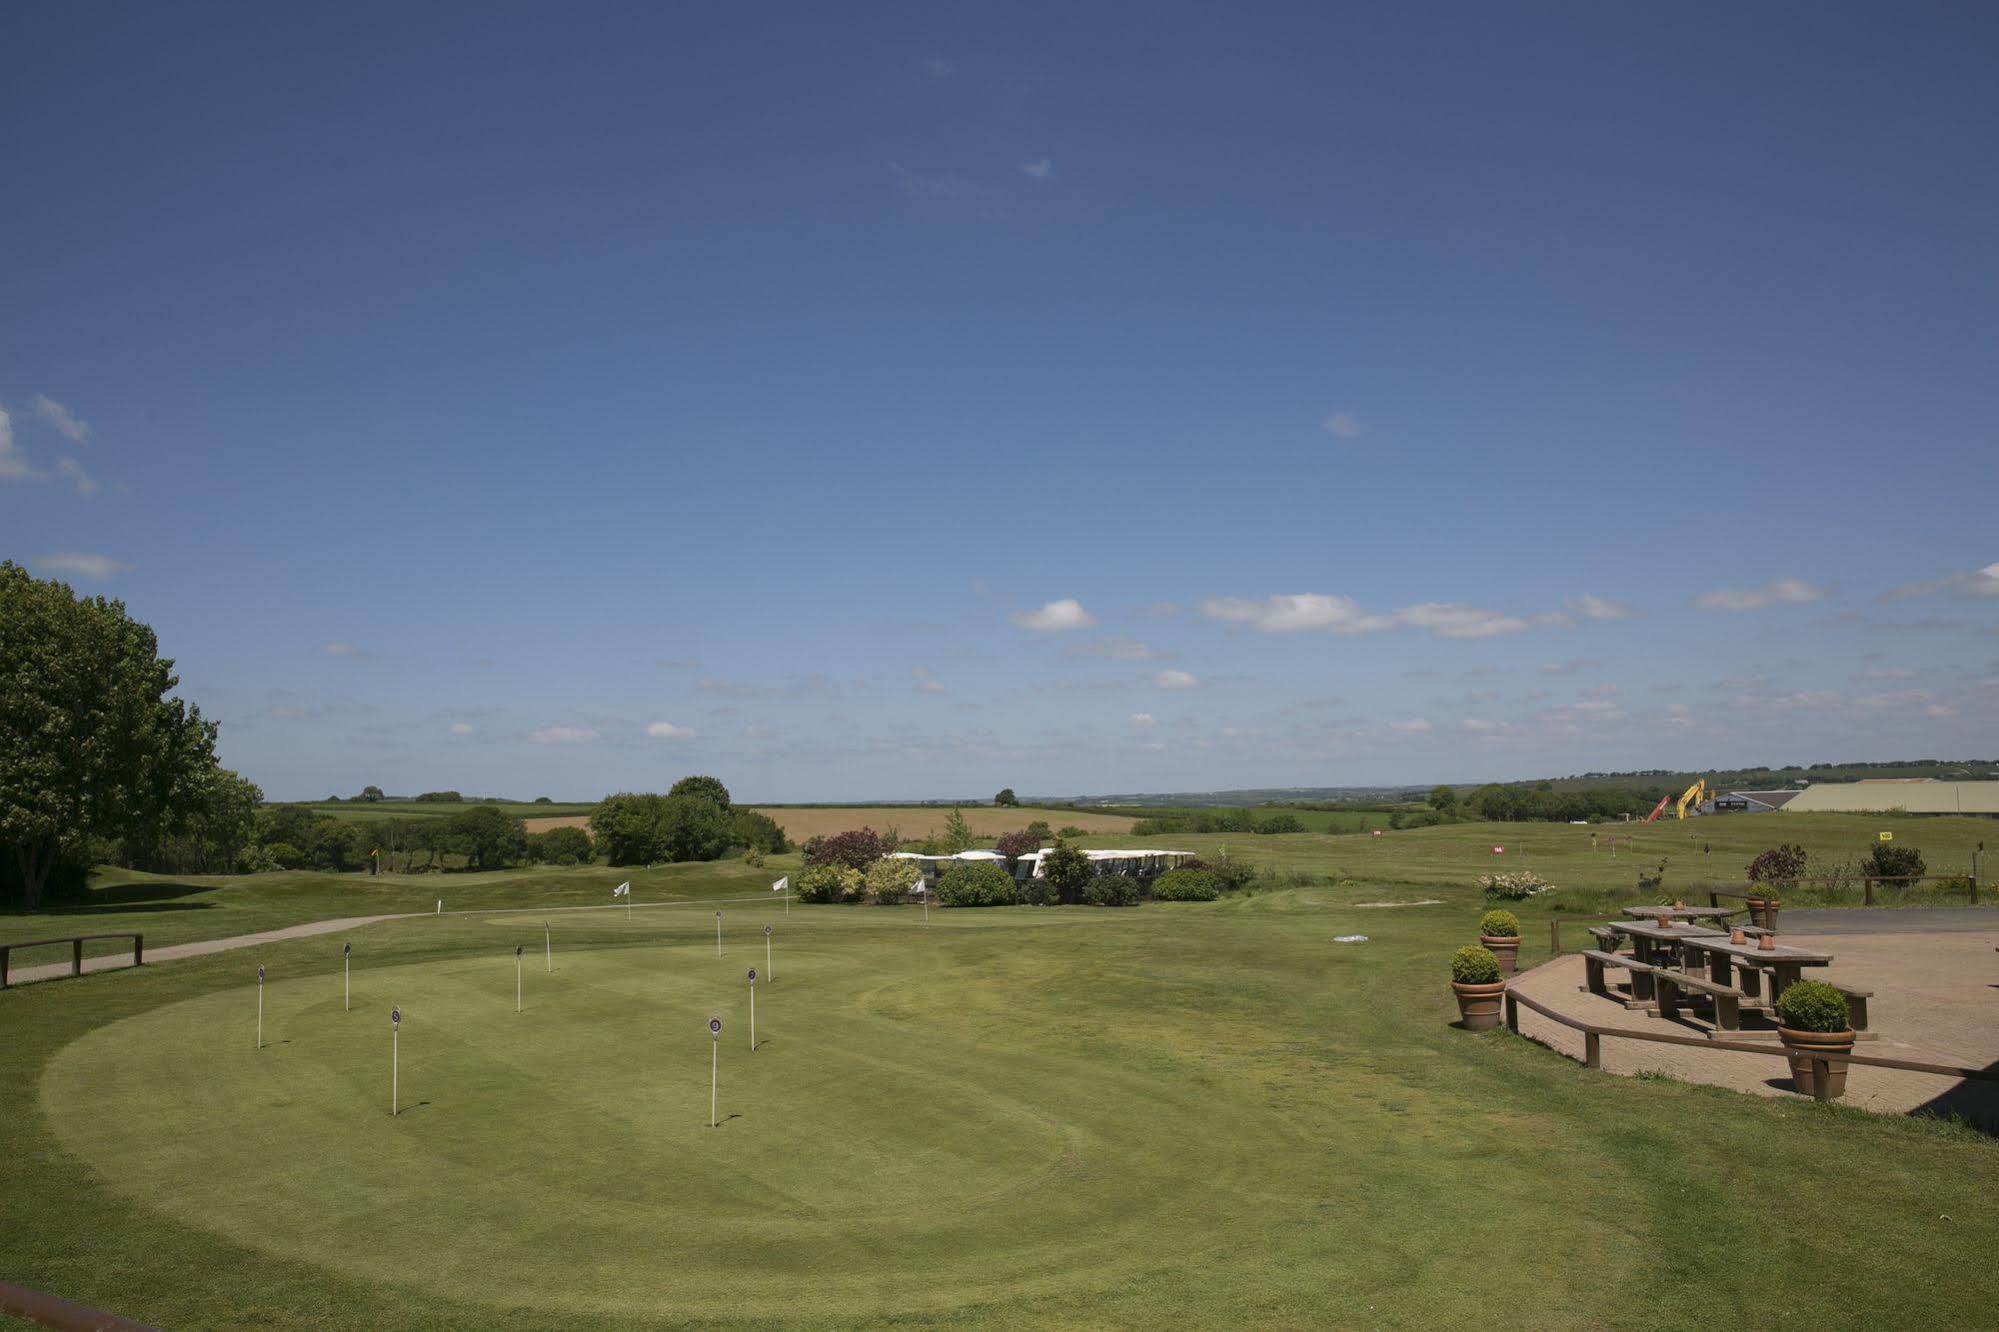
[781, 884]
[622, 890]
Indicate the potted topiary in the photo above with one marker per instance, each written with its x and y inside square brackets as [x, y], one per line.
[1812, 1020]
[1475, 979]
[1499, 931]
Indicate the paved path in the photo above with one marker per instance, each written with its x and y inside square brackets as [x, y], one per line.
[173, 952]
[1936, 1000]
[1889, 920]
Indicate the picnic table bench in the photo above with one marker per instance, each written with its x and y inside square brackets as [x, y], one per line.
[1677, 912]
[1785, 963]
[1653, 944]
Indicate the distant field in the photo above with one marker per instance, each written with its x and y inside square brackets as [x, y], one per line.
[369, 811]
[914, 823]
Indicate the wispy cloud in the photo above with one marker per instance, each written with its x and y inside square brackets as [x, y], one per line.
[1794, 591]
[464, 728]
[14, 464]
[799, 687]
[1599, 608]
[73, 470]
[562, 735]
[1121, 649]
[1345, 425]
[62, 418]
[924, 683]
[1413, 726]
[1976, 583]
[1055, 617]
[1176, 679]
[1041, 170]
[1308, 611]
[82, 564]
[1144, 721]
[1480, 724]
[937, 67]
[341, 650]
[665, 730]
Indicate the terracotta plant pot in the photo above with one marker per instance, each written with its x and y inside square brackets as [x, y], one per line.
[1763, 912]
[1505, 947]
[1737, 937]
[1802, 1045]
[1767, 944]
[1665, 922]
[1478, 1005]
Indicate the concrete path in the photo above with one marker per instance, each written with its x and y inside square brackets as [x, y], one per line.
[1936, 1000]
[1890, 920]
[173, 952]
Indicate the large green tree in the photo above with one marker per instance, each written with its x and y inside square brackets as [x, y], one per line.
[707, 788]
[92, 744]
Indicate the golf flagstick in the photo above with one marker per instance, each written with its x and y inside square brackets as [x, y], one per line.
[548, 942]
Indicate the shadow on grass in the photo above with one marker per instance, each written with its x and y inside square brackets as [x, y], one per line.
[111, 908]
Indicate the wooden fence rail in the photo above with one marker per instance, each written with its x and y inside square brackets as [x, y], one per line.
[76, 943]
[1593, 1035]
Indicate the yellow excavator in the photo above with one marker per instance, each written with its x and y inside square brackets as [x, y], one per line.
[1693, 795]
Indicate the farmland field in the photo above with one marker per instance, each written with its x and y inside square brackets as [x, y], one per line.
[1185, 1113]
[913, 822]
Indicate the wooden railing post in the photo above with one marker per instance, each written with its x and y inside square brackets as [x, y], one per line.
[138, 950]
[1592, 1050]
[1512, 1013]
[1821, 1080]
[76, 962]
[1867, 891]
[1555, 937]
[4, 952]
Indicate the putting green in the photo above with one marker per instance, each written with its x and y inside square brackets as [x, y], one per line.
[926, 1124]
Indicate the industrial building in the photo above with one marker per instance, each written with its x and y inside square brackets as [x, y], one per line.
[1904, 795]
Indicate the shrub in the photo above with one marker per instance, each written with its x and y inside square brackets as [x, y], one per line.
[975, 885]
[1779, 867]
[1813, 1006]
[857, 849]
[888, 881]
[1038, 830]
[957, 835]
[759, 832]
[560, 846]
[284, 855]
[1889, 861]
[1499, 925]
[1280, 823]
[1014, 845]
[828, 883]
[1036, 892]
[1070, 830]
[1186, 885]
[753, 858]
[1515, 887]
[261, 859]
[1473, 965]
[1067, 870]
[1112, 890]
[1233, 875]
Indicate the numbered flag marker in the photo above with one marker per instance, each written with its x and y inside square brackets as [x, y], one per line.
[714, 1061]
[260, 1007]
[718, 934]
[753, 1010]
[769, 971]
[395, 1060]
[517, 976]
[347, 977]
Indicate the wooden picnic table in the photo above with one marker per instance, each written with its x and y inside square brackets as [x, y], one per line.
[1650, 942]
[1676, 913]
[1785, 963]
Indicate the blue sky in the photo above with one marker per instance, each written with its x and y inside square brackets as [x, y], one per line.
[915, 401]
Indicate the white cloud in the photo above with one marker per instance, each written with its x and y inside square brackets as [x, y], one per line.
[1977, 583]
[76, 562]
[1042, 170]
[1887, 673]
[1055, 617]
[1905, 698]
[1599, 608]
[1414, 726]
[1601, 691]
[71, 468]
[464, 728]
[563, 735]
[1175, 680]
[1292, 613]
[924, 684]
[341, 650]
[13, 463]
[1144, 721]
[937, 67]
[62, 418]
[1939, 710]
[1480, 724]
[1793, 590]
[1345, 425]
[663, 731]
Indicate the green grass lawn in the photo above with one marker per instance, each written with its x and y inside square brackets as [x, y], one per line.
[1178, 1115]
